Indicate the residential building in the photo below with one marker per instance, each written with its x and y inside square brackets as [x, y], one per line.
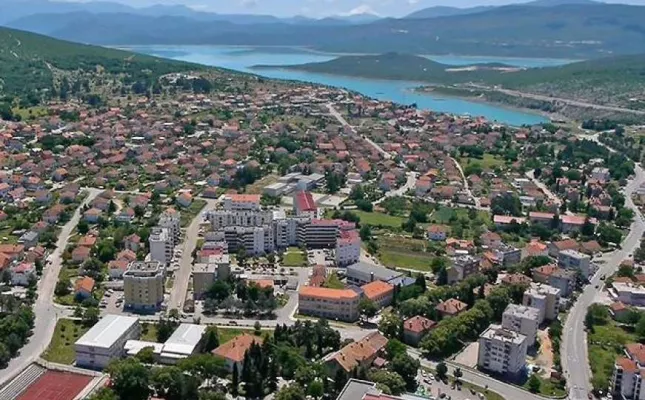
[575, 260]
[23, 273]
[171, 220]
[502, 351]
[105, 341]
[379, 292]
[630, 293]
[556, 247]
[161, 245]
[204, 275]
[545, 298]
[242, 202]
[491, 239]
[333, 304]
[565, 280]
[348, 248]
[415, 328]
[451, 308]
[256, 240]
[628, 379]
[357, 354]
[361, 273]
[233, 351]
[508, 255]
[522, 319]
[437, 233]
[601, 174]
[304, 205]
[29, 239]
[143, 286]
[461, 268]
[84, 287]
[319, 233]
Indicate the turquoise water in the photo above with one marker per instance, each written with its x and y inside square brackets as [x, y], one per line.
[241, 59]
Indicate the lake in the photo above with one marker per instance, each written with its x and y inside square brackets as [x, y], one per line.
[242, 58]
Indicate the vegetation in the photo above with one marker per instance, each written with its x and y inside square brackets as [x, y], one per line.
[61, 347]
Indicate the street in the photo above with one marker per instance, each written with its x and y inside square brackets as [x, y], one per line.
[45, 311]
[344, 122]
[466, 186]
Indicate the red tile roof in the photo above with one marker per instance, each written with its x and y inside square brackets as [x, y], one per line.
[234, 349]
[418, 324]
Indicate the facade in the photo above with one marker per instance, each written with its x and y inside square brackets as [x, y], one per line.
[462, 267]
[143, 286]
[171, 220]
[601, 174]
[508, 255]
[333, 304]
[502, 351]
[545, 298]
[415, 328]
[522, 319]
[105, 341]
[256, 240]
[225, 218]
[348, 248]
[630, 293]
[361, 273]
[379, 292]
[161, 245]
[629, 372]
[22, 273]
[563, 279]
[304, 205]
[242, 202]
[572, 259]
[204, 275]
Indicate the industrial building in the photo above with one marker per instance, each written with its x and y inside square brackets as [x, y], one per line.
[105, 341]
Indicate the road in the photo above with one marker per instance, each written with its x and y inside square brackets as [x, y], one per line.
[575, 362]
[344, 122]
[45, 311]
[576, 103]
[531, 175]
[410, 183]
[182, 275]
[466, 185]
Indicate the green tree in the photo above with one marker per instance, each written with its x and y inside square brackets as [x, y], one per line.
[407, 367]
[367, 308]
[91, 316]
[171, 383]
[316, 389]
[442, 371]
[457, 374]
[390, 325]
[83, 227]
[291, 392]
[534, 384]
[130, 379]
[103, 393]
[394, 348]
[146, 355]
[211, 339]
[391, 380]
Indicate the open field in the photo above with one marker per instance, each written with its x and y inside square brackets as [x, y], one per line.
[187, 214]
[606, 343]
[61, 347]
[489, 162]
[402, 252]
[379, 219]
[258, 186]
[294, 257]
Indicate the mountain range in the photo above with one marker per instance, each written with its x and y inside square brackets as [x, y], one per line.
[574, 29]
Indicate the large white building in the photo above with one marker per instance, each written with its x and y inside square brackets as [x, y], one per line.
[333, 304]
[348, 248]
[522, 319]
[572, 259]
[628, 380]
[629, 293]
[242, 202]
[171, 220]
[224, 218]
[105, 341]
[545, 298]
[183, 343]
[143, 286]
[161, 245]
[502, 351]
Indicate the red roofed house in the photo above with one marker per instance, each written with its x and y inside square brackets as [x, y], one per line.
[415, 328]
[83, 288]
[233, 351]
[304, 204]
[357, 354]
[381, 293]
[451, 308]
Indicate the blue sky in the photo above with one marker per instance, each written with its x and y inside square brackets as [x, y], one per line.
[322, 8]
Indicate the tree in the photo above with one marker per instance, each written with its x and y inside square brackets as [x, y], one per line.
[63, 288]
[291, 392]
[211, 339]
[597, 314]
[407, 367]
[91, 316]
[235, 380]
[442, 370]
[146, 355]
[390, 325]
[172, 384]
[367, 308]
[640, 328]
[391, 380]
[457, 374]
[104, 393]
[534, 384]
[83, 227]
[394, 348]
[219, 291]
[316, 389]
[365, 233]
[257, 328]
[130, 379]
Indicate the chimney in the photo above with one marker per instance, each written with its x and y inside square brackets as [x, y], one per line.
[371, 276]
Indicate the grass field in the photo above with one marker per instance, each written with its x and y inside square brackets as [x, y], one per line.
[379, 219]
[606, 343]
[258, 186]
[332, 282]
[187, 214]
[416, 261]
[294, 257]
[149, 332]
[488, 162]
[61, 347]
[548, 388]
[228, 334]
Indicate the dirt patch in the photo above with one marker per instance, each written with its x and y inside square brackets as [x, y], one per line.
[468, 356]
[544, 358]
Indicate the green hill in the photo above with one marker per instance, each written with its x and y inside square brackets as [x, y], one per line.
[32, 66]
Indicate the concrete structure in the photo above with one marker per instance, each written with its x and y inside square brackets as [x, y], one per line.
[415, 328]
[572, 259]
[105, 341]
[522, 319]
[184, 342]
[545, 298]
[381, 293]
[143, 286]
[601, 174]
[333, 304]
[225, 218]
[22, 273]
[461, 268]
[563, 279]
[171, 220]
[502, 351]
[508, 255]
[256, 240]
[361, 273]
[629, 293]
[204, 275]
[242, 202]
[628, 379]
[348, 248]
[304, 205]
[161, 245]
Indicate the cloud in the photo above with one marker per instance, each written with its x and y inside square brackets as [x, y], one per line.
[249, 3]
[362, 9]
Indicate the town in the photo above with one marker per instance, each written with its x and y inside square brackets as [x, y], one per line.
[242, 237]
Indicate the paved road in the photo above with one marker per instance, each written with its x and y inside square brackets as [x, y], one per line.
[466, 185]
[531, 175]
[409, 184]
[577, 103]
[182, 275]
[344, 122]
[44, 309]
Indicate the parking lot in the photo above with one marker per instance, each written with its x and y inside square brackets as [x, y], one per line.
[431, 387]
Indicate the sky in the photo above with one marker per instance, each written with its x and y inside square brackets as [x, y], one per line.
[323, 8]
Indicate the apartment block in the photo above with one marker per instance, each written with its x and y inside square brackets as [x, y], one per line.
[630, 293]
[462, 267]
[545, 298]
[575, 260]
[304, 204]
[171, 220]
[522, 319]
[381, 293]
[161, 245]
[333, 304]
[348, 248]
[143, 286]
[242, 202]
[220, 219]
[502, 351]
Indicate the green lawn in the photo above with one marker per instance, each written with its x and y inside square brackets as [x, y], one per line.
[149, 332]
[605, 344]
[61, 347]
[379, 219]
[417, 261]
[294, 257]
[332, 282]
[548, 388]
[228, 334]
[488, 162]
[187, 214]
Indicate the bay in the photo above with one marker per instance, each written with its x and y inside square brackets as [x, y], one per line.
[243, 58]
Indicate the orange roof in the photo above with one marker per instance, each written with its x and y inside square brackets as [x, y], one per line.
[327, 293]
[618, 306]
[376, 289]
[246, 198]
[418, 324]
[636, 352]
[86, 284]
[11, 249]
[451, 306]
[234, 349]
[262, 283]
[516, 278]
[627, 365]
[355, 353]
[546, 269]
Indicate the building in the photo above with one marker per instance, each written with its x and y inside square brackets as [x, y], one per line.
[437, 233]
[572, 259]
[361, 273]
[451, 308]
[184, 342]
[23, 273]
[348, 248]
[333, 304]
[629, 293]
[461, 268]
[563, 279]
[143, 286]
[379, 292]
[255, 240]
[84, 287]
[29, 239]
[161, 245]
[522, 319]
[304, 205]
[204, 275]
[508, 255]
[171, 220]
[556, 247]
[357, 354]
[628, 381]
[105, 341]
[415, 328]
[545, 298]
[242, 202]
[502, 351]
[319, 233]
[226, 218]
[233, 351]
[601, 174]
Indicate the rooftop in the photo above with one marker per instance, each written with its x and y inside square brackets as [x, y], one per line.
[107, 331]
[496, 332]
[327, 293]
[377, 288]
[234, 349]
[522, 311]
[184, 340]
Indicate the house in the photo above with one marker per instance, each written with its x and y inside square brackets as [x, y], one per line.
[504, 221]
[461, 268]
[542, 274]
[556, 247]
[87, 241]
[618, 310]
[516, 278]
[84, 287]
[185, 199]
[29, 239]
[357, 354]
[132, 242]
[43, 196]
[80, 254]
[535, 248]
[438, 233]
[572, 259]
[234, 350]
[22, 274]
[116, 268]
[451, 308]
[126, 215]
[491, 240]
[127, 255]
[92, 215]
[12, 251]
[415, 328]
[379, 292]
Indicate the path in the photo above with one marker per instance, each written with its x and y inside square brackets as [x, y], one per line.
[466, 185]
[344, 122]
[531, 175]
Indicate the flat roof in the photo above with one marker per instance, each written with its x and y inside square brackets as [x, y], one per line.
[184, 339]
[107, 331]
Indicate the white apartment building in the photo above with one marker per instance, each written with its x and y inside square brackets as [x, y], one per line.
[545, 298]
[242, 202]
[286, 231]
[601, 174]
[629, 293]
[224, 218]
[502, 351]
[143, 286]
[348, 248]
[572, 259]
[319, 233]
[256, 240]
[105, 341]
[204, 275]
[628, 379]
[172, 222]
[161, 245]
[333, 304]
[522, 319]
